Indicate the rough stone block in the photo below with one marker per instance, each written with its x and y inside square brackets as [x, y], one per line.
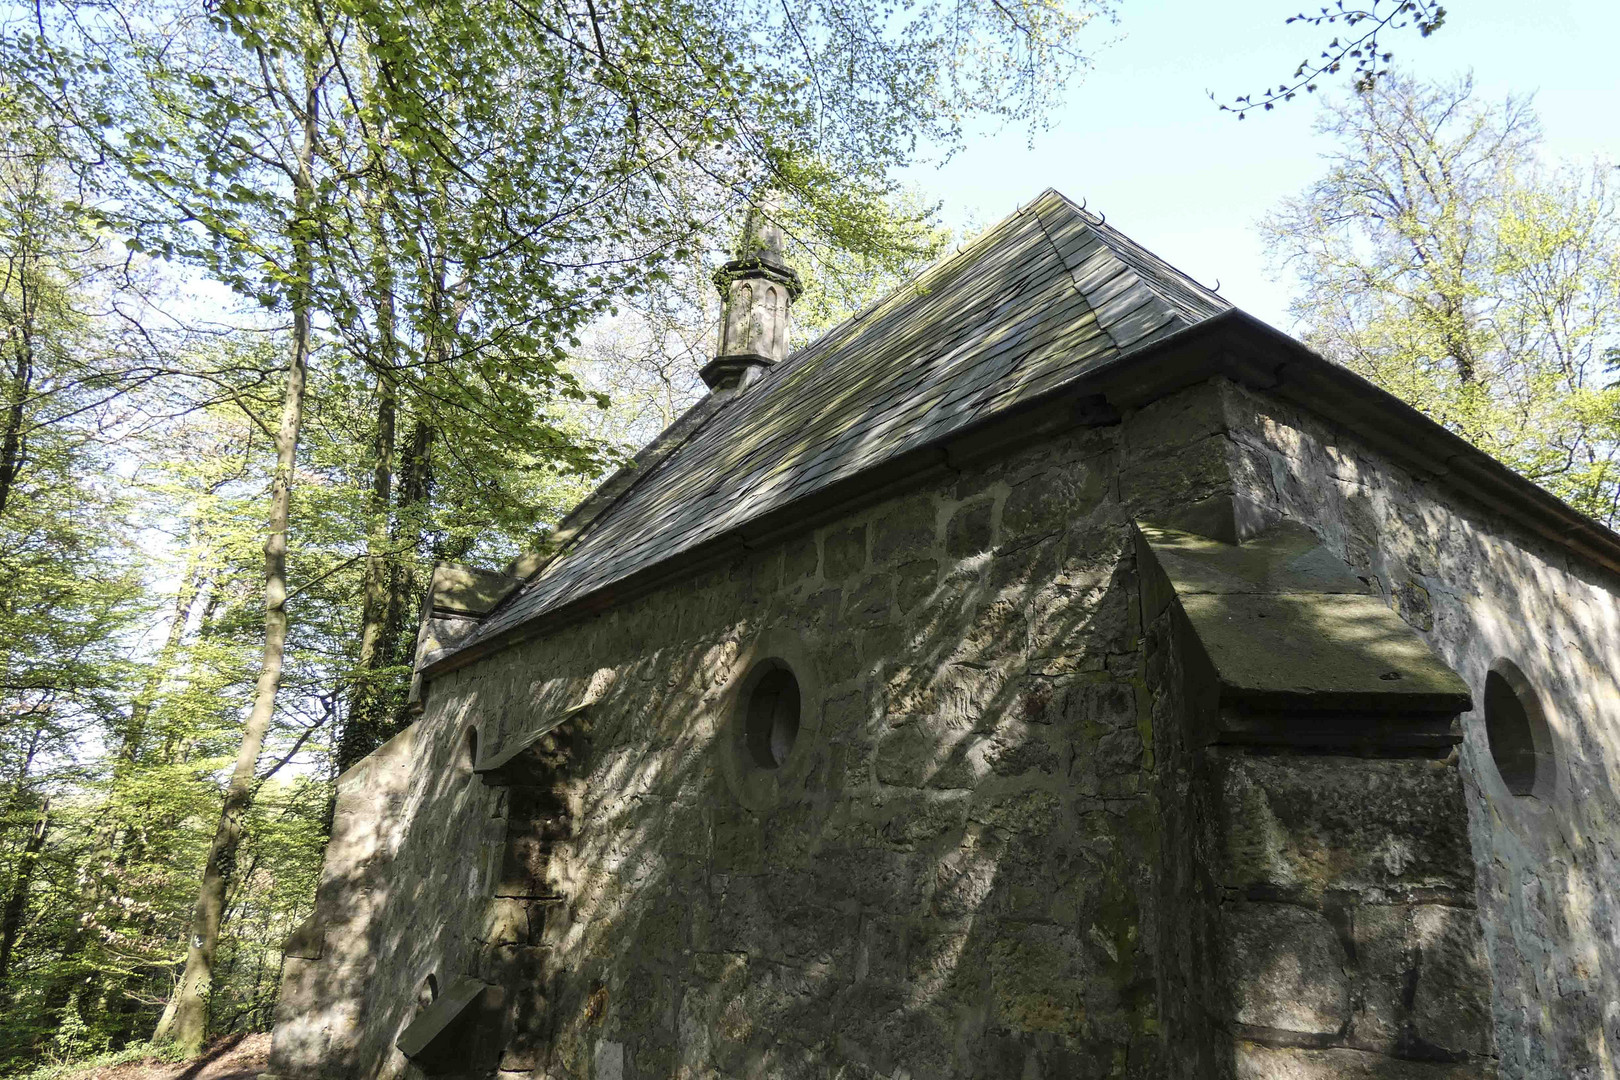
[1451, 1007]
[1091, 709]
[1383, 960]
[1044, 505]
[1175, 420]
[1075, 627]
[1283, 969]
[955, 692]
[927, 752]
[1193, 472]
[843, 553]
[907, 819]
[1335, 650]
[1258, 1062]
[1024, 748]
[969, 530]
[997, 631]
[1302, 825]
[800, 559]
[1039, 976]
[905, 529]
[966, 879]
[914, 582]
[870, 604]
[820, 610]
[506, 922]
[876, 877]
[1423, 986]
[1026, 810]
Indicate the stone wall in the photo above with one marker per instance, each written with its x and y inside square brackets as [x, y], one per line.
[992, 850]
[1479, 589]
[330, 960]
[951, 875]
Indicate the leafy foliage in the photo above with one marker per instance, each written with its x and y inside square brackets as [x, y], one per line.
[429, 208]
[1359, 48]
[1442, 259]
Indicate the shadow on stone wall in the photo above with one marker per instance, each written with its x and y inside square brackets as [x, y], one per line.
[1480, 591]
[958, 885]
[960, 881]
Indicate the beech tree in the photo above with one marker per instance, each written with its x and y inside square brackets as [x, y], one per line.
[1442, 258]
[430, 201]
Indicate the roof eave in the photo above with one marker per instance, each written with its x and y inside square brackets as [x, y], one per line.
[1304, 378]
[1233, 344]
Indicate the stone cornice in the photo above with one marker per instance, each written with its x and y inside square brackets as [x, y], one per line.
[737, 269]
[1233, 345]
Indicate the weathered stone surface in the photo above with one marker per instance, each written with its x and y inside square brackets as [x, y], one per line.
[1450, 1011]
[1285, 969]
[1480, 589]
[437, 1040]
[1182, 477]
[969, 530]
[1349, 649]
[914, 582]
[998, 852]
[1310, 825]
[1044, 504]
[307, 942]
[1257, 1062]
[1283, 622]
[906, 531]
[1286, 559]
[843, 552]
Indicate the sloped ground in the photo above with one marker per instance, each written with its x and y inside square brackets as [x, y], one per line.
[237, 1057]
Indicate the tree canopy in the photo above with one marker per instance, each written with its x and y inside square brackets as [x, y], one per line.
[1442, 258]
[303, 297]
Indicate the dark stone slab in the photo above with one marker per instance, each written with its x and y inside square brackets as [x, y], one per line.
[1298, 643]
[434, 1041]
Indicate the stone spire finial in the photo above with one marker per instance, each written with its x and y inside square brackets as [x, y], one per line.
[757, 290]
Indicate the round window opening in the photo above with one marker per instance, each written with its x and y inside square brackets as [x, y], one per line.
[1520, 742]
[772, 721]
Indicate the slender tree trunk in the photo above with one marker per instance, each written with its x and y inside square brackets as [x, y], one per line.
[16, 908]
[13, 443]
[185, 1020]
[186, 595]
[411, 508]
[366, 721]
[368, 718]
[17, 903]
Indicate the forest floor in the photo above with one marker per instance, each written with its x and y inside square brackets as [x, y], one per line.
[236, 1057]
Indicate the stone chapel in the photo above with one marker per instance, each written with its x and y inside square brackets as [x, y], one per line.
[1052, 673]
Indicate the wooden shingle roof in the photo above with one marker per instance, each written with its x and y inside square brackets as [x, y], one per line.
[1039, 299]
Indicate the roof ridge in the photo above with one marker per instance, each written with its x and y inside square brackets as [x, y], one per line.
[1073, 281]
[566, 534]
[1119, 241]
[987, 327]
[1137, 296]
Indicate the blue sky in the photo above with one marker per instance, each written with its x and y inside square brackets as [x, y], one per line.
[1140, 141]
